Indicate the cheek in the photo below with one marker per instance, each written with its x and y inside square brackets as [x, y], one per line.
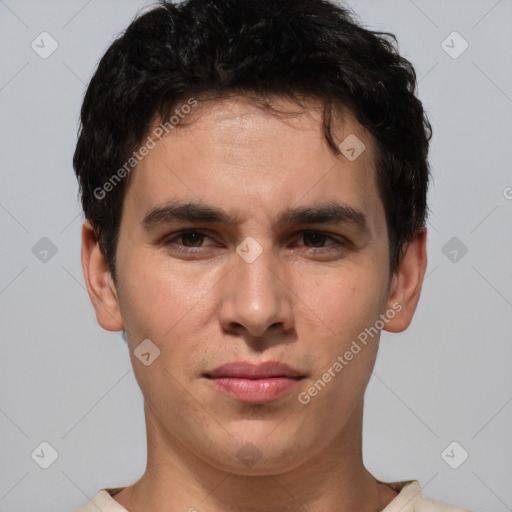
[344, 302]
[157, 296]
[341, 307]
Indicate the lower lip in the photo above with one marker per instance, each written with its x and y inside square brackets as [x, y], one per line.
[252, 391]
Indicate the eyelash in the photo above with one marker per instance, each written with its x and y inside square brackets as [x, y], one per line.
[337, 246]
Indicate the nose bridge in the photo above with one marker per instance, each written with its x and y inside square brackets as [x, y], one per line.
[256, 270]
[256, 297]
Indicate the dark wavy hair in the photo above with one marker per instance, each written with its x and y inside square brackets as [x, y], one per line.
[257, 49]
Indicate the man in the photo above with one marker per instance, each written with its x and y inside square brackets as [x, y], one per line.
[254, 177]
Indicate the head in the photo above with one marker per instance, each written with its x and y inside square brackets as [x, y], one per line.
[235, 119]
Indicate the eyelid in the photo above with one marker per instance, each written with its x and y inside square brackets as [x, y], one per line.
[339, 240]
[170, 239]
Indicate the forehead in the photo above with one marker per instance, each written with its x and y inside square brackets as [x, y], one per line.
[251, 161]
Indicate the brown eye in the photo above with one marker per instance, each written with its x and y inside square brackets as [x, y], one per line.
[314, 237]
[190, 240]
[191, 236]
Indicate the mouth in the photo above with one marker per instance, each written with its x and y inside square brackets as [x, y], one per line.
[254, 383]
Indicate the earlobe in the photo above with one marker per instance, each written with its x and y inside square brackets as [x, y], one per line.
[407, 282]
[99, 282]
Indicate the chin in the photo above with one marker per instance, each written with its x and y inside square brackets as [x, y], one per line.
[257, 456]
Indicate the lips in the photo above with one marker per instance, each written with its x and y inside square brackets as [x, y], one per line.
[266, 370]
[254, 383]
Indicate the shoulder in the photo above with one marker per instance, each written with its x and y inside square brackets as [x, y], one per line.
[411, 499]
[428, 505]
[103, 501]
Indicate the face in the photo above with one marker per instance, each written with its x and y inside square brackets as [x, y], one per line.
[245, 242]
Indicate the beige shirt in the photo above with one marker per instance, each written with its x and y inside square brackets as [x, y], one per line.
[409, 499]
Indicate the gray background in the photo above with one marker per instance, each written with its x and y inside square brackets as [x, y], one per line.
[448, 378]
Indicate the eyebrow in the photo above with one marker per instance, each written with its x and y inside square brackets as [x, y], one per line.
[325, 213]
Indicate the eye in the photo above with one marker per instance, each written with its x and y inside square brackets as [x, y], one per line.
[317, 240]
[315, 237]
[192, 240]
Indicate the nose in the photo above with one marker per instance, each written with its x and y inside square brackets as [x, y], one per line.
[256, 298]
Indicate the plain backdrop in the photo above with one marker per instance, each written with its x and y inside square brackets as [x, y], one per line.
[441, 391]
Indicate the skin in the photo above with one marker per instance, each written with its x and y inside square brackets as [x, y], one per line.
[302, 301]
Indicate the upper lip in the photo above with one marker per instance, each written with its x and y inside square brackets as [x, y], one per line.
[245, 370]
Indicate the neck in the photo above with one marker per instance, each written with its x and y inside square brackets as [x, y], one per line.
[333, 479]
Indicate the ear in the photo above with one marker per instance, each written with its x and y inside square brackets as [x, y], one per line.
[99, 282]
[406, 283]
